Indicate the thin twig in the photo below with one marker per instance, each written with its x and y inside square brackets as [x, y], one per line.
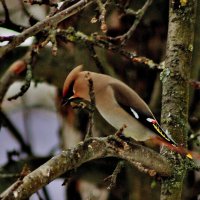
[30, 61]
[10, 76]
[51, 38]
[41, 2]
[102, 16]
[10, 175]
[6, 38]
[113, 177]
[78, 37]
[7, 16]
[139, 14]
[127, 4]
[93, 54]
[26, 85]
[8, 193]
[32, 19]
[16, 134]
[93, 104]
[48, 22]
[7, 22]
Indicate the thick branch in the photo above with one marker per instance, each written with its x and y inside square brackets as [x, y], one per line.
[48, 22]
[175, 78]
[92, 148]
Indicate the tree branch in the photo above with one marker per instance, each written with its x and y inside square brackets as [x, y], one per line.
[10, 76]
[48, 22]
[41, 2]
[7, 23]
[78, 37]
[139, 14]
[175, 98]
[93, 103]
[15, 133]
[30, 59]
[113, 177]
[102, 16]
[92, 148]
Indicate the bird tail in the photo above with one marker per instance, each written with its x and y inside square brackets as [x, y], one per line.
[189, 155]
[179, 149]
[164, 134]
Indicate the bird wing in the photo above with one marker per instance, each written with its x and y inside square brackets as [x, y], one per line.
[130, 101]
[149, 121]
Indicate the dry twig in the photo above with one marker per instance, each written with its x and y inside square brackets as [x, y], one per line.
[139, 14]
[30, 59]
[41, 2]
[48, 22]
[102, 16]
[78, 37]
[7, 23]
[94, 55]
[113, 177]
[92, 99]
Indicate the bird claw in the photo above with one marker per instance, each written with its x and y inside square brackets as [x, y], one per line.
[122, 137]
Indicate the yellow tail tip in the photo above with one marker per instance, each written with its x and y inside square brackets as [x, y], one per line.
[189, 156]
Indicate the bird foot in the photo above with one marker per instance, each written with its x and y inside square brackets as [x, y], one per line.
[119, 142]
[123, 137]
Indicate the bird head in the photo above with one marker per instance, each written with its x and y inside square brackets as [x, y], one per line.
[75, 88]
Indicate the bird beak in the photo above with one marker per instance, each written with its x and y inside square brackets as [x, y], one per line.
[64, 102]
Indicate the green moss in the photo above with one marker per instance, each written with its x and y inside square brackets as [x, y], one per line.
[164, 74]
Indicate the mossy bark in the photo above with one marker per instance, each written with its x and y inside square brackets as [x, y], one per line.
[175, 97]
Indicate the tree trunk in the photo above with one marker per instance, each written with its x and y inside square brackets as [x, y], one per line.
[175, 97]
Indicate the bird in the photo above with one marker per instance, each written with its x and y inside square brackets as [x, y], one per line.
[118, 104]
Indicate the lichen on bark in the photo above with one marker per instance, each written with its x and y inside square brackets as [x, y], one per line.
[175, 98]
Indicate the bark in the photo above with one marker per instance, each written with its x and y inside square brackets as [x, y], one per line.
[195, 102]
[175, 99]
[143, 158]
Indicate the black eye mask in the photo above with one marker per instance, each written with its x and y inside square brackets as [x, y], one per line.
[78, 103]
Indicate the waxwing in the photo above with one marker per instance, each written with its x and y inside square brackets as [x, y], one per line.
[118, 104]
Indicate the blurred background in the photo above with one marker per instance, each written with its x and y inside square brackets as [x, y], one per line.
[35, 126]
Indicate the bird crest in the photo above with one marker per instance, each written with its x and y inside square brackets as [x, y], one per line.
[71, 78]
